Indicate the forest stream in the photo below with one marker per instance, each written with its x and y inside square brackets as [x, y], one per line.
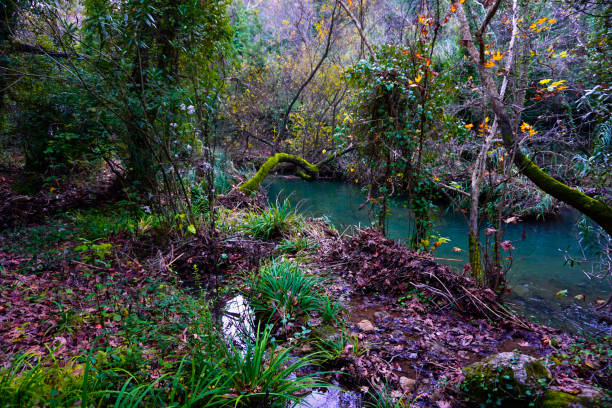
[538, 271]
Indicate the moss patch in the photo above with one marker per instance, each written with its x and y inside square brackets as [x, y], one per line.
[506, 379]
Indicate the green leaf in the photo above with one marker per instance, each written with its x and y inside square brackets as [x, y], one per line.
[191, 228]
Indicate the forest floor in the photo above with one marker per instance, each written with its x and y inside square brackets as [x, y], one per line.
[107, 281]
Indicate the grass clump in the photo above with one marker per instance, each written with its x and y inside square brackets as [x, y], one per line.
[383, 399]
[271, 222]
[263, 375]
[282, 292]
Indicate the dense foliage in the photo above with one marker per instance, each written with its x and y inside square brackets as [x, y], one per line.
[135, 137]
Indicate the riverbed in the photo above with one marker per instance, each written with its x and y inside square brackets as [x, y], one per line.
[538, 271]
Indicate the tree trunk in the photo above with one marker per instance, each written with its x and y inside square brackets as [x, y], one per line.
[252, 184]
[591, 207]
[308, 172]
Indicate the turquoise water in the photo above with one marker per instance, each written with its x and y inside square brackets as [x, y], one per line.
[538, 271]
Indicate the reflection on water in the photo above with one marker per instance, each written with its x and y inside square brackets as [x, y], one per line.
[538, 271]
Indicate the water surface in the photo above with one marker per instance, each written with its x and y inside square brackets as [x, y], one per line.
[538, 271]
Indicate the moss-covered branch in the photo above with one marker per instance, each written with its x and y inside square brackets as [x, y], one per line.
[307, 170]
[252, 184]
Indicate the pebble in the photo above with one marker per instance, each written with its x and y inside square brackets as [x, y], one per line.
[366, 326]
[407, 384]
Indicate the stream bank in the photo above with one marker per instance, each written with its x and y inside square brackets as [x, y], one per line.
[538, 270]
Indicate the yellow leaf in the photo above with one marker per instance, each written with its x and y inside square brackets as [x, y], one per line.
[557, 83]
[422, 20]
[542, 20]
[544, 81]
[552, 21]
[324, 151]
[469, 126]
[563, 54]
[497, 56]
[489, 64]
[525, 127]
[285, 22]
[453, 8]
[531, 132]
[418, 79]
[533, 27]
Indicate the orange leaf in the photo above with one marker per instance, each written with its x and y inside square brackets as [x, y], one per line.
[489, 64]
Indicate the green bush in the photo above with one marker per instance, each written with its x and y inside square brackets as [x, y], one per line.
[59, 127]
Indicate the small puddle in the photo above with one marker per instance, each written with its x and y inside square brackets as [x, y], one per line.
[238, 322]
[331, 398]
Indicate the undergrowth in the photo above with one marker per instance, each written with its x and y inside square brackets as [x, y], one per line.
[210, 375]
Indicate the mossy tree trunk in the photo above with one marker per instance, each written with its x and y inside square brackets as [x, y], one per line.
[595, 209]
[252, 184]
[307, 170]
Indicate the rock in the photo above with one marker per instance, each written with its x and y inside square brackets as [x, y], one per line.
[507, 379]
[588, 397]
[407, 384]
[517, 380]
[306, 349]
[395, 394]
[366, 326]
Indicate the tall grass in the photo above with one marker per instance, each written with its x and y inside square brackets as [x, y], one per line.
[262, 375]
